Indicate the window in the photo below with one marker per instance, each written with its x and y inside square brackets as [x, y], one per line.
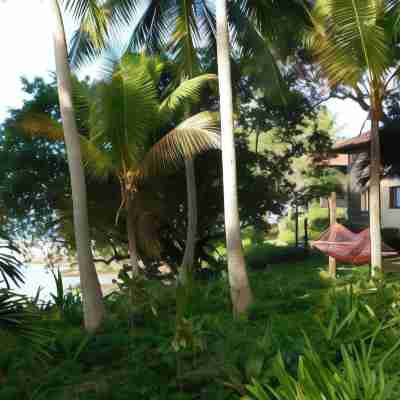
[395, 197]
[365, 200]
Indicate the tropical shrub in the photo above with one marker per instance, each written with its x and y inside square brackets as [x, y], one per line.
[360, 376]
[10, 263]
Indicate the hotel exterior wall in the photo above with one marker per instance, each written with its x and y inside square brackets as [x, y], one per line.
[390, 216]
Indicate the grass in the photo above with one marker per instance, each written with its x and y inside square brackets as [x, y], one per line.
[140, 354]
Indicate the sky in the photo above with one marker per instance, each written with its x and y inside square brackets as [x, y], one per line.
[27, 49]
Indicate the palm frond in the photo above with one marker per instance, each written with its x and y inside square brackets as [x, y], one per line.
[123, 12]
[10, 263]
[19, 316]
[348, 39]
[180, 27]
[123, 111]
[188, 92]
[192, 137]
[153, 29]
[91, 38]
[97, 159]
[185, 38]
[83, 50]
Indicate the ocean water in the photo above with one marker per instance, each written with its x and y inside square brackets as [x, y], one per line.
[38, 276]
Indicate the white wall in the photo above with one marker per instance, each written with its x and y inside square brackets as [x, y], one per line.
[390, 217]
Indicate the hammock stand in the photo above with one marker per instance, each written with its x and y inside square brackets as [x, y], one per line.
[349, 247]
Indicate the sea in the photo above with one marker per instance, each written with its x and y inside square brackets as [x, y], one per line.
[39, 276]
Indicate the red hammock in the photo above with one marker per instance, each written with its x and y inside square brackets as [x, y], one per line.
[348, 247]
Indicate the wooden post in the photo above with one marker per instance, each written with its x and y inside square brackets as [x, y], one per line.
[332, 219]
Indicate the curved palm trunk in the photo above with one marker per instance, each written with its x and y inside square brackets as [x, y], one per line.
[91, 291]
[374, 197]
[133, 255]
[240, 289]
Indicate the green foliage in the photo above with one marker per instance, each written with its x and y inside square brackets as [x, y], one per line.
[349, 330]
[263, 255]
[20, 318]
[134, 300]
[359, 377]
[10, 263]
[67, 303]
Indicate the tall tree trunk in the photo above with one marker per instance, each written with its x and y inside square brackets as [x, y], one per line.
[374, 197]
[130, 228]
[191, 232]
[306, 239]
[240, 289]
[93, 306]
[332, 219]
[296, 224]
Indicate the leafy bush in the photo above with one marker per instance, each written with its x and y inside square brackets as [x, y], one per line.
[67, 304]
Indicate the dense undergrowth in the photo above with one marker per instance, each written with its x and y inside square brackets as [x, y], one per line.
[303, 339]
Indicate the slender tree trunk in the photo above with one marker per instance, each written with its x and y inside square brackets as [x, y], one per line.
[296, 225]
[240, 289]
[130, 228]
[191, 232]
[91, 291]
[306, 240]
[332, 219]
[374, 198]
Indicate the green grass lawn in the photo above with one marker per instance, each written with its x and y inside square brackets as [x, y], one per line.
[139, 356]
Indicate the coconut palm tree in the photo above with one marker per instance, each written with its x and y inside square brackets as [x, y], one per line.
[352, 40]
[181, 28]
[127, 129]
[240, 289]
[90, 286]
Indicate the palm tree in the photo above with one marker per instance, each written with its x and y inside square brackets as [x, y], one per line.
[127, 129]
[240, 289]
[10, 263]
[193, 23]
[90, 286]
[353, 39]
[182, 28]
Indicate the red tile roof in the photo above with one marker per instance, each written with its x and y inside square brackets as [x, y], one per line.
[341, 160]
[353, 145]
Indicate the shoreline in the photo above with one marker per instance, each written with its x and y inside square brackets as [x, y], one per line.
[75, 273]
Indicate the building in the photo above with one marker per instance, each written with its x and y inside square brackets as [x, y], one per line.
[357, 193]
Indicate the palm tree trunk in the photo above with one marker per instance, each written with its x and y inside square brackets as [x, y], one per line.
[374, 197]
[133, 255]
[333, 220]
[296, 224]
[91, 291]
[191, 232]
[240, 289]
